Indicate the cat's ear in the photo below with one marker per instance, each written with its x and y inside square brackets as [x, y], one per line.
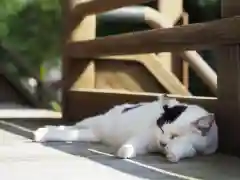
[204, 123]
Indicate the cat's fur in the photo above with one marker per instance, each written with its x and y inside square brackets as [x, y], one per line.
[175, 129]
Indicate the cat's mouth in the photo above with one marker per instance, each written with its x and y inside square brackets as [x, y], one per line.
[162, 144]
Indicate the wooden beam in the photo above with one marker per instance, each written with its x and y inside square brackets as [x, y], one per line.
[84, 8]
[228, 68]
[126, 75]
[230, 8]
[99, 101]
[154, 65]
[188, 37]
[202, 69]
[24, 92]
[157, 20]
[228, 112]
[184, 63]
[87, 7]
[180, 66]
[19, 61]
[65, 9]
[173, 13]
[81, 73]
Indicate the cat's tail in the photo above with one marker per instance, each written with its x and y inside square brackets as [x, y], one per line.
[64, 133]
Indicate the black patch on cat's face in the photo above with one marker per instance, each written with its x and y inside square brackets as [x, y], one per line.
[170, 114]
[130, 108]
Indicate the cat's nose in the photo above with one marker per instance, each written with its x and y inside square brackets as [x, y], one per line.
[163, 144]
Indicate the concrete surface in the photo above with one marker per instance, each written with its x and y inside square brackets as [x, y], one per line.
[20, 158]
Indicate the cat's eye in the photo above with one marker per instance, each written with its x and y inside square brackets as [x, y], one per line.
[173, 136]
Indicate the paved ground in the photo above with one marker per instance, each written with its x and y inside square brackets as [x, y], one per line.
[22, 159]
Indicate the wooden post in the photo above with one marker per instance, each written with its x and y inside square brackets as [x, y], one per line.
[82, 72]
[172, 9]
[228, 68]
[179, 66]
[76, 74]
[172, 13]
[66, 7]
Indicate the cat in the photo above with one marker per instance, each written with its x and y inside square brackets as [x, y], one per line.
[165, 125]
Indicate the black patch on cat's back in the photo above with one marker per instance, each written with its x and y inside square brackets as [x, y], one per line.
[170, 114]
[130, 108]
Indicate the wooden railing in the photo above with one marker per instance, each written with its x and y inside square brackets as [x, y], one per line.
[189, 37]
[177, 39]
[157, 20]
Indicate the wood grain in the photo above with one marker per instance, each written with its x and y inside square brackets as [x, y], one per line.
[180, 38]
[228, 107]
[97, 101]
[154, 65]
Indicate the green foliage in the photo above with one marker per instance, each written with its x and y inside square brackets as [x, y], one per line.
[7, 9]
[203, 10]
[32, 27]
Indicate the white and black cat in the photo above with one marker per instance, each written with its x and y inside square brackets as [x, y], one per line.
[175, 129]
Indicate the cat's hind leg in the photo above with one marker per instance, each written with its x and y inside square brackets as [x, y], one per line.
[64, 133]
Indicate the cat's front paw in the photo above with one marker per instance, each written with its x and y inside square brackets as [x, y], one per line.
[126, 152]
[40, 134]
[172, 157]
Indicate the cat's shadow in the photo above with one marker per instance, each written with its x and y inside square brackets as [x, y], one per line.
[152, 166]
[155, 166]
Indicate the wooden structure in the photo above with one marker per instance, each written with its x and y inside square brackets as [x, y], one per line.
[161, 72]
[18, 103]
[82, 55]
[11, 93]
[16, 100]
[42, 98]
[140, 73]
[149, 72]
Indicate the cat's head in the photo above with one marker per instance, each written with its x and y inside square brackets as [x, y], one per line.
[179, 119]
